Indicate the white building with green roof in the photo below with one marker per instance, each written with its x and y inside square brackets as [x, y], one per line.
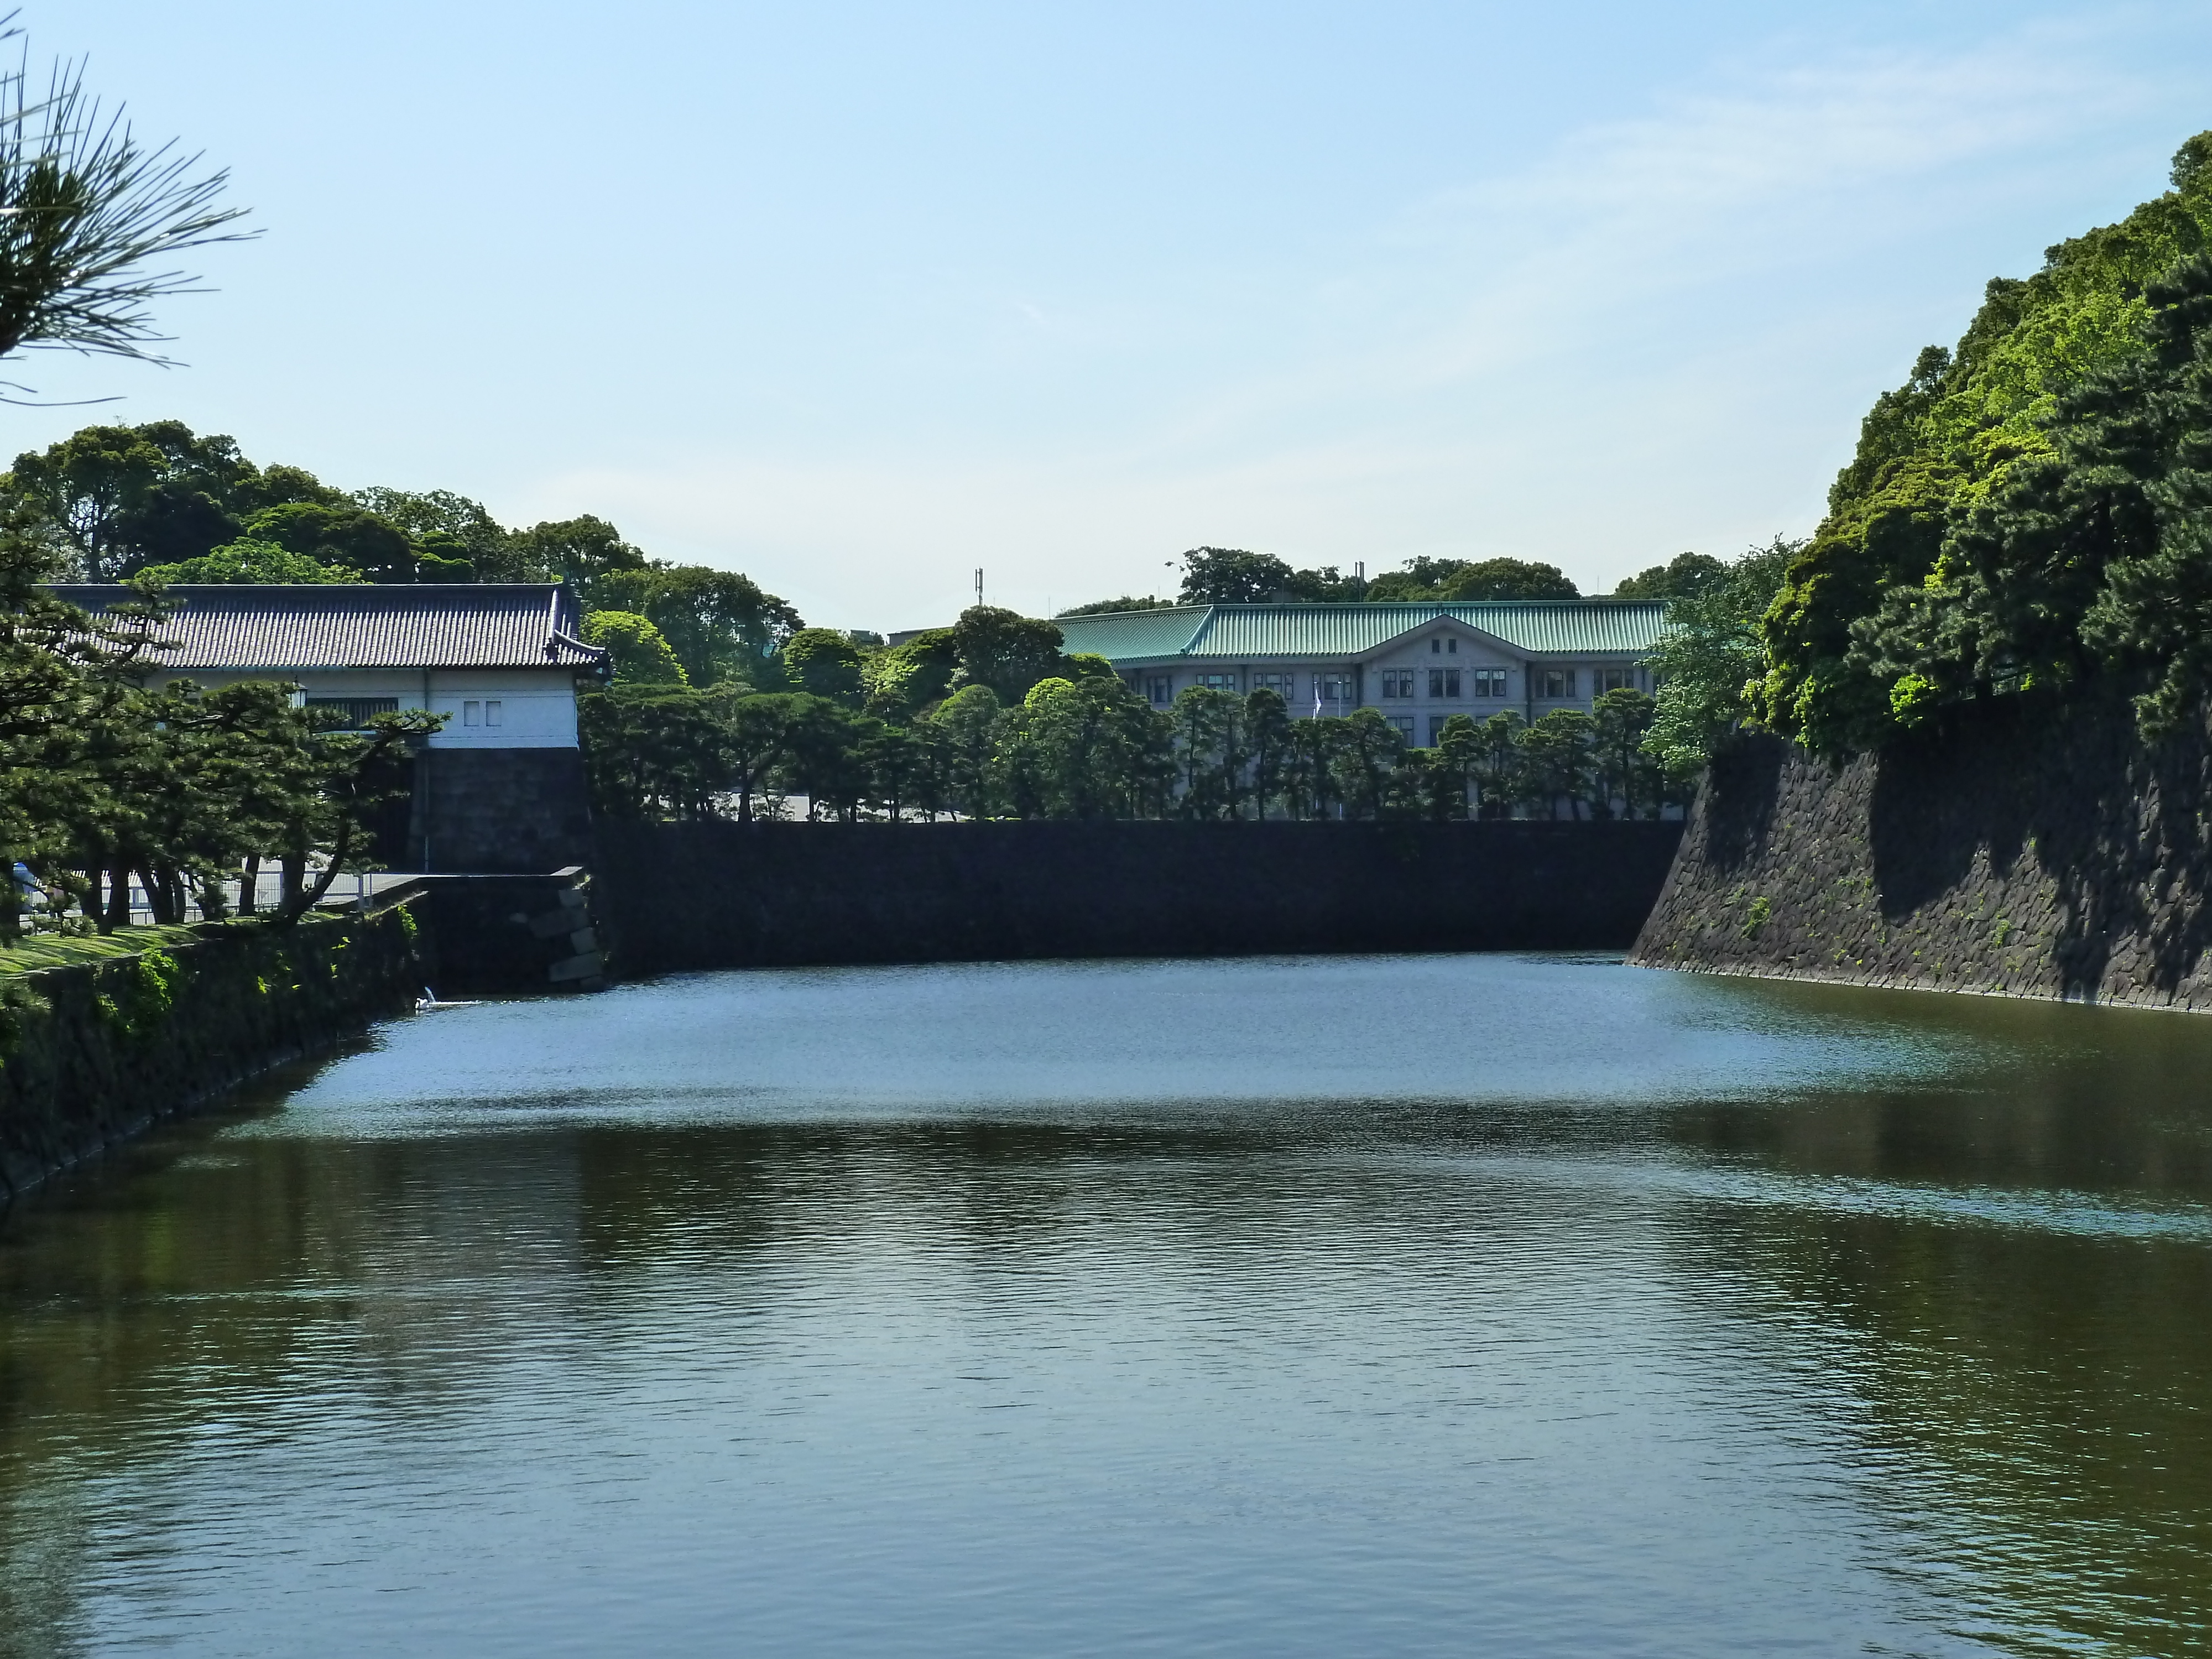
[1418, 664]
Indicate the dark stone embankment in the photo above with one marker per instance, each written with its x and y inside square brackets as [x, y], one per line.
[506, 935]
[2029, 849]
[680, 897]
[91, 1052]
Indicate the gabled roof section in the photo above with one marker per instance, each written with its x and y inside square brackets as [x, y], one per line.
[257, 628]
[1244, 632]
[1134, 633]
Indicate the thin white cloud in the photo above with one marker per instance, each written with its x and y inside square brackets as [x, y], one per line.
[1680, 307]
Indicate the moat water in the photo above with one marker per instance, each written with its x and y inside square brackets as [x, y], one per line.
[1532, 1306]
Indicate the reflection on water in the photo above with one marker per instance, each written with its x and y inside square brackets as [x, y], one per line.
[1390, 1306]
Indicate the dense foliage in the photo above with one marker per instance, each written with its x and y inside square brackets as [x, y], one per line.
[2028, 509]
[989, 719]
[104, 779]
[159, 501]
[1228, 575]
[1708, 661]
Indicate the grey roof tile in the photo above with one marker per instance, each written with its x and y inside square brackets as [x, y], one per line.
[259, 628]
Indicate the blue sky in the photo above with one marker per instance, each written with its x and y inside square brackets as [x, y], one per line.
[856, 297]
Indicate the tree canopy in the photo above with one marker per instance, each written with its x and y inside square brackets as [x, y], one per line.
[1685, 576]
[1446, 581]
[2022, 512]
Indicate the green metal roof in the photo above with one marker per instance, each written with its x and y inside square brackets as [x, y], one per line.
[1542, 627]
[1120, 634]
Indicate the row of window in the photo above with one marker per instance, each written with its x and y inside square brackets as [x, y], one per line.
[357, 712]
[1400, 684]
[1446, 685]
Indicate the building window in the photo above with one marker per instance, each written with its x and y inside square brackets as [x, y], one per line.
[1555, 682]
[1276, 683]
[352, 713]
[1489, 682]
[1333, 687]
[1437, 728]
[1397, 683]
[1444, 682]
[1159, 689]
[1438, 645]
[1603, 680]
[1451, 646]
[1218, 681]
[492, 711]
[1404, 725]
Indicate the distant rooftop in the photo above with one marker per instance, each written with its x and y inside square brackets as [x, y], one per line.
[1246, 632]
[259, 628]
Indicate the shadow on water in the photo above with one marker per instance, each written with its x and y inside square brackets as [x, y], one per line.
[1069, 1308]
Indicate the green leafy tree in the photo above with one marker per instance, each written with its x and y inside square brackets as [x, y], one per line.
[250, 561]
[1455, 766]
[1309, 768]
[1004, 650]
[636, 651]
[825, 756]
[1931, 579]
[1231, 576]
[1449, 580]
[1211, 752]
[1496, 768]
[1708, 663]
[720, 623]
[576, 550]
[824, 663]
[1685, 576]
[757, 733]
[341, 536]
[2090, 558]
[908, 679]
[1366, 753]
[1267, 738]
[1558, 765]
[966, 725]
[118, 497]
[453, 529]
[1077, 749]
[892, 760]
[652, 749]
[1625, 772]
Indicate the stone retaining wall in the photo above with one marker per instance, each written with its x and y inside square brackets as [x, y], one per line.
[2028, 849]
[720, 895]
[91, 1052]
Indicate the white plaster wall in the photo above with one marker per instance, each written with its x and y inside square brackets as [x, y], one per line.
[538, 706]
